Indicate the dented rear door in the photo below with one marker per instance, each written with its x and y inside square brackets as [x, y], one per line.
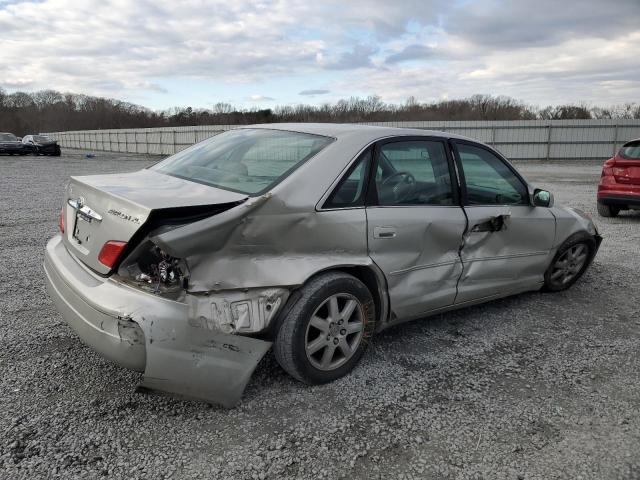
[415, 224]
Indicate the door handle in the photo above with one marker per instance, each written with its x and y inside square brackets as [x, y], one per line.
[384, 232]
[493, 224]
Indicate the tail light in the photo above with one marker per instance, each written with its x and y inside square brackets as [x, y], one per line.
[61, 220]
[607, 168]
[110, 252]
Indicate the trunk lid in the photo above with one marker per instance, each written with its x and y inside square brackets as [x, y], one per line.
[122, 207]
[627, 171]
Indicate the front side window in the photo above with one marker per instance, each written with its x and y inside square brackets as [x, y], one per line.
[413, 173]
[488, 180]
[244, 160]
[8, 137]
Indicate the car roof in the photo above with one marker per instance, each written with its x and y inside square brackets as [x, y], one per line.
[366, 133]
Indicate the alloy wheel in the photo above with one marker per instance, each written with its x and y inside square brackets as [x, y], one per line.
[334, 332]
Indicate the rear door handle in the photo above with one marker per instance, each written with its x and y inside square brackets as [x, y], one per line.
[384, 232]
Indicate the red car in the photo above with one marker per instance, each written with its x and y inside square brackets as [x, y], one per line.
[619, 187]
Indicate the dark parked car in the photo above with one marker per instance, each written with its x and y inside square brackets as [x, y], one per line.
[42, 145]
[619, 187]
[10, 144]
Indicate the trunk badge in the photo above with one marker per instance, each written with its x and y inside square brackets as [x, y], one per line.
[84, 211]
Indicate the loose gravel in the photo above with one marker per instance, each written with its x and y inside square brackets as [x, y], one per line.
[538, 386]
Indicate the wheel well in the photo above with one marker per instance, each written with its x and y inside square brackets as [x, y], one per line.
[362, 273]
[368, 277]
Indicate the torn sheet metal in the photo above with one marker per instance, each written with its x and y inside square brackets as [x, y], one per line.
[201, 364]
[504, 249]
[270, 243]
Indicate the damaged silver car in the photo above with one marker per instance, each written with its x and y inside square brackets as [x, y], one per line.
[307, 237]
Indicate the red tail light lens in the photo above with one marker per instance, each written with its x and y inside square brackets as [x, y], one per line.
[607, 168]
[110, 252]
[61, 220]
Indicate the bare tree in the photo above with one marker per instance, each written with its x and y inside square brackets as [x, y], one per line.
[49, 110]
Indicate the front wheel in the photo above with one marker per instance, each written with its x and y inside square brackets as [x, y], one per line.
[326, 329]
[570, 263]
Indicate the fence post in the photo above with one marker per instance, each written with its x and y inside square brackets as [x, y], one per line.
[493, 135]
[548, 141]
[174, 142]
[615, 139]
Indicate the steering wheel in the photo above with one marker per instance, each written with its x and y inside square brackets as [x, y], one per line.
[404, 186]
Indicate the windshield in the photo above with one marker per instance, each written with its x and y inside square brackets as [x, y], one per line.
[244, 160]
[631, 151]
[8, 137]
[41, 138]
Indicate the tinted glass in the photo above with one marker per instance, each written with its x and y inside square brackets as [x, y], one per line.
[244, 160]
[41, 138]
[488, 179]
[413, 173]
[7, 137]
[350, 192]
[631, 151]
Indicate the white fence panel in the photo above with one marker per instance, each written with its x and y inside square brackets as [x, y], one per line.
[517, 140]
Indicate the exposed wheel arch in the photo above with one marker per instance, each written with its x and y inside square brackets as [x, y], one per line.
[370, 275]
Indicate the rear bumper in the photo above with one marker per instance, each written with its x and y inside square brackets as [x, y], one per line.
[615, 193]
[117, 339]
[151, 334]
[619, 200]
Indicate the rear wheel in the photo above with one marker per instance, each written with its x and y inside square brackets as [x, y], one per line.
[326, 329]
[570, 262]
[607, 210]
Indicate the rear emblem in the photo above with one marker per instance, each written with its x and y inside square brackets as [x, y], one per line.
[83, 211]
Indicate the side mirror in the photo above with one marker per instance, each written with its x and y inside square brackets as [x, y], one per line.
[542, 198]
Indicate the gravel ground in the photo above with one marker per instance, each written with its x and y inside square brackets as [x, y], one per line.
[536, 386]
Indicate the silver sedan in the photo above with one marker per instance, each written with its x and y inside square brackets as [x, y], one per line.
[308, 237]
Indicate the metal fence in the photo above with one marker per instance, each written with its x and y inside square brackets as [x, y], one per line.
[517, 140]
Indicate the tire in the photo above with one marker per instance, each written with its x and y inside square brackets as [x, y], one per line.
[301, 346]
[573, 258]
[607, 210]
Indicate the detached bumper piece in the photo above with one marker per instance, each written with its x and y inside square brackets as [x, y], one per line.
[148, 333]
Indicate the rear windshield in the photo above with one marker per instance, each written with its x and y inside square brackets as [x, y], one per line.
[244, 160]
[631, 151]
[7, 137]
[41, 138]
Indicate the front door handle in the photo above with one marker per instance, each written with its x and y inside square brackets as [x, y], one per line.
[493, 224]
[384, 232]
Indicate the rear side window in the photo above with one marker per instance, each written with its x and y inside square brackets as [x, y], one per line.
[488, 180]
[351, 190]
[631, 151]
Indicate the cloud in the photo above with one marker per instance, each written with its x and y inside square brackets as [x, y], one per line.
[261, 98]
[358, 56]
[411, 52]
[539, 51]
[319, 91]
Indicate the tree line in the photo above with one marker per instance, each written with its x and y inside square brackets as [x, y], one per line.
[51, 111]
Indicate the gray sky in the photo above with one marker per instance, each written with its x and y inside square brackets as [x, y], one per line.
[261, 53]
